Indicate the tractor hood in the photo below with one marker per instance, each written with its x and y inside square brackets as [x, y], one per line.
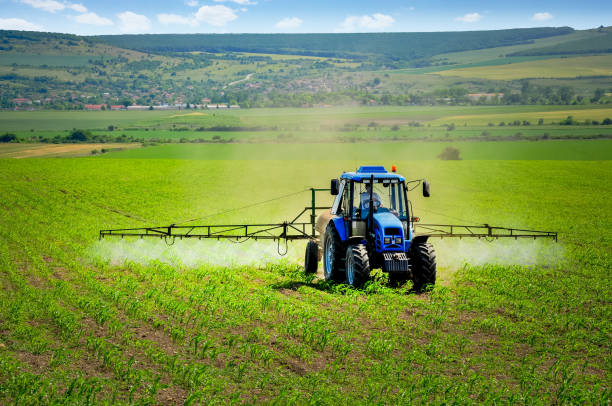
[389, 232]
[387, 220]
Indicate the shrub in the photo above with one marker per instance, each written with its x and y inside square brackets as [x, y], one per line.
[541, 121]
[485, 134]
[78, 135]
[606, 121]
[8, 138]
[395, 128]
[450, 154]
[568, 121]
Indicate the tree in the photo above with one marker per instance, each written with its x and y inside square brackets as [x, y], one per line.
[599, 93]
[450, 154]
[8, 138]
[78, 135]
[566, 94]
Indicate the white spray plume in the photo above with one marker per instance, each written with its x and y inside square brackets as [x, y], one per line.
[454, 253]
[194, 253]
[450, 253]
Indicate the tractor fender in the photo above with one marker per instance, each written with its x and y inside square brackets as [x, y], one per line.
[340, 227]
[355, 240]
[420, 239]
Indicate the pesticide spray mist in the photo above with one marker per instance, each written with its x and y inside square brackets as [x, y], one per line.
[195, 253]
[454, 254]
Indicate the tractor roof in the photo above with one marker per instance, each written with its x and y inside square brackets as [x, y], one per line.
[365, 172]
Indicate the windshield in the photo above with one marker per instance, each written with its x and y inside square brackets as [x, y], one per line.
[387, 197]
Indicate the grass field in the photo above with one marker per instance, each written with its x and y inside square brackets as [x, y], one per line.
[49, 60]
[176, 325]
[569, 67]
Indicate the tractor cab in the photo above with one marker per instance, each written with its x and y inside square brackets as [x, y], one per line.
[372, 191]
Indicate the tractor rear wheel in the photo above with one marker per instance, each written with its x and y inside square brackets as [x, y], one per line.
[311, 261]
[357, 265]
[423, 261]
[333, 257]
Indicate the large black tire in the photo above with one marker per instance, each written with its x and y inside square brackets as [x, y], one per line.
[333, 255]
[357, 265]
[423, 261]
[311, 261]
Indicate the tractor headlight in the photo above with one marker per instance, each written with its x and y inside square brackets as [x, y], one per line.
[387, 240]
[398, 240]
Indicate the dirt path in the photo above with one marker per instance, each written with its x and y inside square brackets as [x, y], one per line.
[247, 77]
[57, 150]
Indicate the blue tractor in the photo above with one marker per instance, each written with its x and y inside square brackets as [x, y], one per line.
[370, 226]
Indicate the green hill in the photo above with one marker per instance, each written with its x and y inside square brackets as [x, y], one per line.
[388, 45]
[599, 42]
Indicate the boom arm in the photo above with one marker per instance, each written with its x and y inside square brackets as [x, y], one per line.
[294, 230]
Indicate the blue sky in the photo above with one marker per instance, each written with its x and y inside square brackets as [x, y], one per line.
[263, 16]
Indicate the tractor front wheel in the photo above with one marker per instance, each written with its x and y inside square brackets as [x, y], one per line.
[423, 259]
[357, 265]
[332, 254]
[311, 261]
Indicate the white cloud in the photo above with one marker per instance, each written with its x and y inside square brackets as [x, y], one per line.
[242, 2]
[18, 24]
[92, 19]
[78, 8]
[192, 3]
[217, 16]
[169, 19]
[289, 22]
[52, 5]
[48, 5]
[375, 22]
[542, 16]
[132, 23]
[469, 18]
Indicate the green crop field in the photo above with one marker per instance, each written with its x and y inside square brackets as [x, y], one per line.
[600, 65]
[389, 151]
[138, 322]
[293, 118]
[131, 321]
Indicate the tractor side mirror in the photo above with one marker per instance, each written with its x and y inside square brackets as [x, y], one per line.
[334, 187]
[426, 188]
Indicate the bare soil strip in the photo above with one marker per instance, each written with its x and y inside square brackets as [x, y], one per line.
[57, 150]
